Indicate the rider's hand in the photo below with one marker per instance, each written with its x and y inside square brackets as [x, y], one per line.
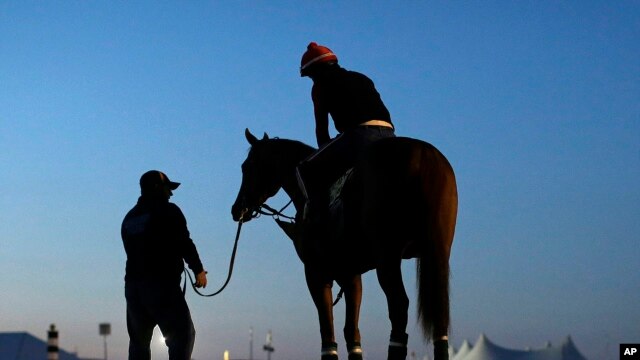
[201, 279]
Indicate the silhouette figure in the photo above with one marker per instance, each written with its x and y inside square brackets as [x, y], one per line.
[157, 243]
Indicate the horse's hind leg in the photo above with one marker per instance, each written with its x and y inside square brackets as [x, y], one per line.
[390, 279]
[352, 286]
[320, 290]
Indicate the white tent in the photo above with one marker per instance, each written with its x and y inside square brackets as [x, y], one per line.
[484, 349]
[465, 348]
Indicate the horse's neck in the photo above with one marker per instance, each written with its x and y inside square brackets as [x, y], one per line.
[294, 152]
[288, 154]
[290, 186]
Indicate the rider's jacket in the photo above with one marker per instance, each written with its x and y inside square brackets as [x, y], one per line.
[350, 98]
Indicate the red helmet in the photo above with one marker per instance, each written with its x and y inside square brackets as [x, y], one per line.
[316, 54]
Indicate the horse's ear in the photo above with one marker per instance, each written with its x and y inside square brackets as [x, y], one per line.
[250, 138]
[265, 136]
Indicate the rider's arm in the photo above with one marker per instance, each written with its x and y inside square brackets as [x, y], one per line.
[322, 118]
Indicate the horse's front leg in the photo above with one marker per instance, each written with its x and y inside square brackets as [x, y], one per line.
[390, 279]
[352, 287]
[320, 290]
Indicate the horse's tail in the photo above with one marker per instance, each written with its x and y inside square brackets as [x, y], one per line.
[440, 208]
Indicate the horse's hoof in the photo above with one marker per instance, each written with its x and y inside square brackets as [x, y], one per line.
[329, 357]
[354, 356]
[397, 353]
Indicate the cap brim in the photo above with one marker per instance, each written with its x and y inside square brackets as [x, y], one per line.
[173, 185]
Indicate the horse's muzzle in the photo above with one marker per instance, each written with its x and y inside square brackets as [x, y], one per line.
[237, 213]
[240, 213]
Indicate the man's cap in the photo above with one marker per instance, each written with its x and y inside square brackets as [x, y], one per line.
[154, 177]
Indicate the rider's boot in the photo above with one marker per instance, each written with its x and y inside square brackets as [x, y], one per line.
[397, 346]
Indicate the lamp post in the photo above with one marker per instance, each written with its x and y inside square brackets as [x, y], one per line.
[251, 343]
[268, 347]
[105, 329]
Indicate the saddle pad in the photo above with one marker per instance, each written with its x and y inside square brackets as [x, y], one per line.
[336, 189]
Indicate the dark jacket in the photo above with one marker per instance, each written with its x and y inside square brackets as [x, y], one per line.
[156, 240]
[350, 97]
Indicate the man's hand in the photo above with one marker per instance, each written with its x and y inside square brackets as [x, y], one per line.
[201, 279]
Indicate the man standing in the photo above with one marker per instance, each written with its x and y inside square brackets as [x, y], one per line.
[157, 243]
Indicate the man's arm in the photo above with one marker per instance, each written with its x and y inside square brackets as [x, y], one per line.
[187, 247]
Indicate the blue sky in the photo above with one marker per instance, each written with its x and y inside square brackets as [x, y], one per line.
[535, 103]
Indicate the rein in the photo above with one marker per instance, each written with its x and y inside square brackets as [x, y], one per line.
[276, 214]
[231, 263]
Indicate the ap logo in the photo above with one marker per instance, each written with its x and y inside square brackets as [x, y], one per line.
[629, 351]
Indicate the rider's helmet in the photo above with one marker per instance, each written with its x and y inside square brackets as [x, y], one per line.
[316, 54]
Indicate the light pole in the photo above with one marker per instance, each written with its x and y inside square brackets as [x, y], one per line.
[268, 347]
[105, 329]
[251, 343]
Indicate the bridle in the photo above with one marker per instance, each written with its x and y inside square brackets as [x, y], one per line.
[267, 210]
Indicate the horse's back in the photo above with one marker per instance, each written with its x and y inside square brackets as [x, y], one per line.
[401, 164]
[406, 156]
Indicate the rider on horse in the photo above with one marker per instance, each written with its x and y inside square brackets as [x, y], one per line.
[358, 114]
[360, 117]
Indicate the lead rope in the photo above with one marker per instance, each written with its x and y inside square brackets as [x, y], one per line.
[231, 263]
[274, 214]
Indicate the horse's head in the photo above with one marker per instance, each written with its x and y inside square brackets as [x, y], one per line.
[259, 178]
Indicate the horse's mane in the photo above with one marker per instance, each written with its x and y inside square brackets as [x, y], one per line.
[285, 148]
[293, 144]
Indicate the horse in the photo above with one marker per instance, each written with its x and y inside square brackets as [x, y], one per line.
[405, 206]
